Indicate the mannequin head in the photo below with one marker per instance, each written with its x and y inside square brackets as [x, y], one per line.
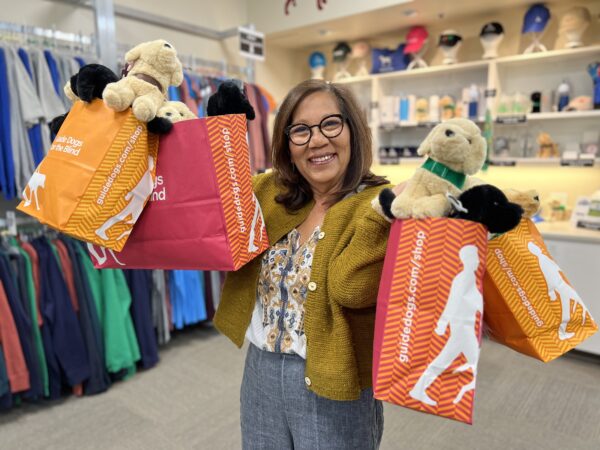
[573, 24]
[450, 43]
[491, 36]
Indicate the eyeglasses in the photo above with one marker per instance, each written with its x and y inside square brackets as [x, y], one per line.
[300, 133]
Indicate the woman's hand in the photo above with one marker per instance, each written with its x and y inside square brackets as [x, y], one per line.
[399, 188]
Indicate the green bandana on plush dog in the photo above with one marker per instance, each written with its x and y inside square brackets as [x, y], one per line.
[445, 172]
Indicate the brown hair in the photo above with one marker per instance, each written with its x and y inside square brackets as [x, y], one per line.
[297, 191]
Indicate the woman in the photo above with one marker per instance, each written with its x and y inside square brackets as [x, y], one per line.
[307, 305]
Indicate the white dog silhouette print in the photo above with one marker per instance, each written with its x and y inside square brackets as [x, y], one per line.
[37, 181]
[132, 211]
[101, 259]
[385, 61]
[460, 314]
[557, 285]
[257, 212]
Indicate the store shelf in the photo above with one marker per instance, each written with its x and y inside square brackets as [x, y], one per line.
[551, 56]
[424, 125]
[433, 70]
[499, 162]
[564, 115]
[355, 80]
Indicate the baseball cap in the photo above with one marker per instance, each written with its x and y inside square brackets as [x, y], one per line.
[415, 39]
[341, 52]
[317, 59]
[491, 28]
[575, 18]
[536, 18]
[449, 38]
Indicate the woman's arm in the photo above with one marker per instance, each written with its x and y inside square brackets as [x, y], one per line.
[354, 274]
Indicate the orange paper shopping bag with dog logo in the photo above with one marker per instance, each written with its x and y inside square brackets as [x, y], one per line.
[429, 316]
[203, 213]
[530, 306]
[97, 176]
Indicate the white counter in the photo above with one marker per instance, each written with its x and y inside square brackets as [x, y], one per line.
[563, 231]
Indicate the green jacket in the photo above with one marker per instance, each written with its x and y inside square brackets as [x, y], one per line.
[340, 311]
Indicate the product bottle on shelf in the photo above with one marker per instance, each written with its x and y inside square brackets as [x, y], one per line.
[473, 102]
[563, 95]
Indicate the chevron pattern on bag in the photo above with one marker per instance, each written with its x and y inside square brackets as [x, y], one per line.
[515, 280]
[89, 215]
[97, 159]
[403, 360]
[227, 136]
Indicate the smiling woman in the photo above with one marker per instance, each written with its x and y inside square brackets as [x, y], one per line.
[321, 144]
[307, 306]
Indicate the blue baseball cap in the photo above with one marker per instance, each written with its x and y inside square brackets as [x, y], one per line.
[536, 18]
[317, 59]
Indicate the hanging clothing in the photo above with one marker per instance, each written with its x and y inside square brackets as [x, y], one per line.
[16, 367]
[35, 322]
[160, 315]
[7, 175]
[34, 113]
[140, 286]
[63, 342]
[23, 325]
[187, 297]
[99, 381]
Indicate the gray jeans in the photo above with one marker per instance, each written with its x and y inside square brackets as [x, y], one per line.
[278, 412]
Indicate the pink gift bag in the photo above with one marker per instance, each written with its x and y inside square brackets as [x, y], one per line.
[202, 214]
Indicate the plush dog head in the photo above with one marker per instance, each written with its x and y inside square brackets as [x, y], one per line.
[157, 60]
[175, 112]
[229, 99]
[528, 200]
[488, 205]
[456, 143]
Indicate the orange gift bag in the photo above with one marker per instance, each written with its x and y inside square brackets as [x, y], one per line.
[530, 306]
[97, 176]
[429, 316]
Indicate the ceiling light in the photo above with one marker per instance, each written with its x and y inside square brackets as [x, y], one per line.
[409, 12]
[324, 32]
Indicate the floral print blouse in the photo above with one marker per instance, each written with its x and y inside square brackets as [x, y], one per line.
[277, 323]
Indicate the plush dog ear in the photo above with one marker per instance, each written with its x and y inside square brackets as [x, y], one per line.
[425, 147]
[134, 54]
[475, 160]
[177, 76]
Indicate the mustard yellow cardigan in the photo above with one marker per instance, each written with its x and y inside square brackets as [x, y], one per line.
[340, 307]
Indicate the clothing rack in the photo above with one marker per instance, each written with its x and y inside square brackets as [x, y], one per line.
[203, 66]
[51, 38]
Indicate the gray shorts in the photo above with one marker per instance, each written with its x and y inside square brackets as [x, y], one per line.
[278, 412]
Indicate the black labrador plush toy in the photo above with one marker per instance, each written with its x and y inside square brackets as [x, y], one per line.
[489, 206]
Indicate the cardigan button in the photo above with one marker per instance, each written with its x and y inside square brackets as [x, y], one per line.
[321, 235]
[312, 286]
[307, 381]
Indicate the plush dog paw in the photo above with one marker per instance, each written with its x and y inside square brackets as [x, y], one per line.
[429, 207]
[115, 98]
[144, 109]
[402, 207]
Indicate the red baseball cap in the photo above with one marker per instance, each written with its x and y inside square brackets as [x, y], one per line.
[415, 39]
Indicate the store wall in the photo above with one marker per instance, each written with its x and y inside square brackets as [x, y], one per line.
[276, 74]
[469, 27]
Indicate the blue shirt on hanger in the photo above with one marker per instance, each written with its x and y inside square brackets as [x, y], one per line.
[53, 66]
[35, 132]
[7, 168]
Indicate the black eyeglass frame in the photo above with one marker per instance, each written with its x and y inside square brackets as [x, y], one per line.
[288, 129]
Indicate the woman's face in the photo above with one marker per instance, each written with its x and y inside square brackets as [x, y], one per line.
[322, 161]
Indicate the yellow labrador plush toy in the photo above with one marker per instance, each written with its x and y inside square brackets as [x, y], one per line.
[151, 68]
[455, 150]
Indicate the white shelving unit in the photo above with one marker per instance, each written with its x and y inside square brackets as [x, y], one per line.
[519, 73]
